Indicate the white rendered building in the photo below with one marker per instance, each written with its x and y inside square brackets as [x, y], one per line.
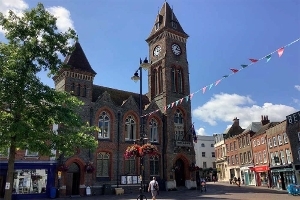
[205, 152]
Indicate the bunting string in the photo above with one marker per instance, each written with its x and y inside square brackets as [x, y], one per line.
[233, 70]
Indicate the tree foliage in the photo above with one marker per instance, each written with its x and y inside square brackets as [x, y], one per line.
[28, 107]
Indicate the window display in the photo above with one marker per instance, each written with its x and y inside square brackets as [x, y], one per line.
[30, 181]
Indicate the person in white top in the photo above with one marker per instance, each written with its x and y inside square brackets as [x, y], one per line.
[153, 187]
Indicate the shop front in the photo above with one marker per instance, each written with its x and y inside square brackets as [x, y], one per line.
[32, 180]
[262, 175]
[282, 177]
[247, 176]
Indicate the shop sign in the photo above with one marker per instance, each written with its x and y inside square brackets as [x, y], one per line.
[293, 118]
[261, 168]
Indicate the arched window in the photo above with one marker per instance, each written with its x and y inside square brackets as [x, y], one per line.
[104, 126]
[154, 165]
[155, 82]
[179, 81]
[173, 79]
[153, 130]
[130, 128]
[160, 80]
[202, 145]
[178, 125]
[130, 166]
[103, 160]
[78, 90]
[84, 91]
[72, 88]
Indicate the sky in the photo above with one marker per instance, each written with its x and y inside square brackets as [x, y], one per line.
[223, 36]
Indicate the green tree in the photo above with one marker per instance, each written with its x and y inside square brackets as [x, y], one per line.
[28, 107]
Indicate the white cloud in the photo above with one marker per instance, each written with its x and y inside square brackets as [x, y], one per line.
[63, 15]
[224, 107]
[297, 87]
[201, 131]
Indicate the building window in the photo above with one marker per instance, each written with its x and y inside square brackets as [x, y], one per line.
[244, 141]
[213, 154]
[204, 165]
[179, 125]
[254, 143]
[103, 164]
[214, 164]
[249, 157]
[157, 26]
[202, 145]
[180, 81]
[265, 156]
[72, 88]
[259, 157]
[282, 157]
[84, 91]
[279, 140]
[203, 154]
[160, 80]
[255, 158]
[153, 130]
[231, 147]
[270, 142]
[285, 138]
[78, 90]
[241, 158]
[272, 159]
[274, 142]
[227, 148]
[31, 153]
[173, 75]
[288, 156]
[234, 145]
[104, 126]
[232, 160]
[130, 128]
[245, 157]
[154, 165]
[237, 159]
[240, 144]
[174, 24]
[248, 140]
[258, 142]
[155, 74]
[130, 166]
[262, 140]
[212, 145]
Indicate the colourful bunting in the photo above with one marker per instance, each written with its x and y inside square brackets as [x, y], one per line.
[280, 51]
[253, 60]
[234, 70]
[268, 58]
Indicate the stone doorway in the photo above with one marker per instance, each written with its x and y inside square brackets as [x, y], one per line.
[179, 173]
[73, 180]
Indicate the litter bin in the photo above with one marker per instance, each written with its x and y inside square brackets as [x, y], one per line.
[107, 189]
[53, 193]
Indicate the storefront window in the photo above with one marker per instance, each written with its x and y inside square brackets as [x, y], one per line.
[30, 181]
[264, 179]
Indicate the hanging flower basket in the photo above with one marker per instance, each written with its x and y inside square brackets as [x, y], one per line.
[62, 168]
[149, 149]
[89, 168]
[133, 151]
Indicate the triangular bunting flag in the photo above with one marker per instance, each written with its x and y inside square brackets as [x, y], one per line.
[217, 82]
[181, 100]
[253, 60]
[268, 57]
[187, 98]
[176, 102]
[168, 106]
[204, 89]
[244, 66]
[210, 86]
[191, 96]
[280, 51]
[234, 70]
[172, 105]
[225, 76]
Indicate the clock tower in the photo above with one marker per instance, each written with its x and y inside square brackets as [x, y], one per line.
[168, 79]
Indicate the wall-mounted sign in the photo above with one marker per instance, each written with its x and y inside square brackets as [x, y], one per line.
[293, 118]
[7, 185]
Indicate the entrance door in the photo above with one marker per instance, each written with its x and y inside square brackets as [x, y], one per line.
[73, 180]
[1, 187]
[179, 173]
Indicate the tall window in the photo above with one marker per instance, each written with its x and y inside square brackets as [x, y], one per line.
[213, 154]
[240, 144]
[288, 156]
[265, 156]
[153, 130]
[274, 142]
[179, 125]
[104, 126]
[272, 158]
[204, 165]
[285, 138]
[179, 81]
[237, 159]
[84, 91]
[203, 154]
[31, 153]
[130, 166]
[249, 156]
[242, 158]
[173, 75]
[160, 80]
[78, 90]
[103, 164]
[130, 128]
[72, 88]
[154, 165]
[155, 82]
[282, 157]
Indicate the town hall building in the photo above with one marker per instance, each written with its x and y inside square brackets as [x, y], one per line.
[117, 115]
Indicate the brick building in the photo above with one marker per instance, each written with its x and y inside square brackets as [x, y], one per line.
[293, 133]
[260, 154]
[280, 155]
[117, 115]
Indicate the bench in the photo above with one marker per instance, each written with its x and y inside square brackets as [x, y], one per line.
[119, 191]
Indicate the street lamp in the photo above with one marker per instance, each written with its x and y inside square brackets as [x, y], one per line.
[138, 77]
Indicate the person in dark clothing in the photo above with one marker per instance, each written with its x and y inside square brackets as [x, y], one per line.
[238, 182]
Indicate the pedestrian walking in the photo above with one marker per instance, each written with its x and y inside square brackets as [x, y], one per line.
[238, 182]
[153, 187]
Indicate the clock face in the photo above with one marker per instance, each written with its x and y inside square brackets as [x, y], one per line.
[176, 49]
[157, 50]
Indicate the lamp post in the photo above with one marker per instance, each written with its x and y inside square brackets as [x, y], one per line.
[138, 77]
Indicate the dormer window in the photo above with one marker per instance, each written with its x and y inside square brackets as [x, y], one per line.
[157, 26]
[174, 24]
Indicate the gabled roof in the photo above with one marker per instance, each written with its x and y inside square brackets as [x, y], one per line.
[78, 61]
[118, 96]
[264, 128]
[254, 127]
[165, 18]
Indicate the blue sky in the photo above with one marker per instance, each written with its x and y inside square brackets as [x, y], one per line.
[223, 35]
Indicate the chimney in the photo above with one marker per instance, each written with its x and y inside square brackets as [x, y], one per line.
[265, 120]
[236, 122]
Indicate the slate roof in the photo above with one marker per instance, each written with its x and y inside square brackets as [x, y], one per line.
[118, 96]
[264, 128]
[165, 18]
[254, 127]
[78, 61]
